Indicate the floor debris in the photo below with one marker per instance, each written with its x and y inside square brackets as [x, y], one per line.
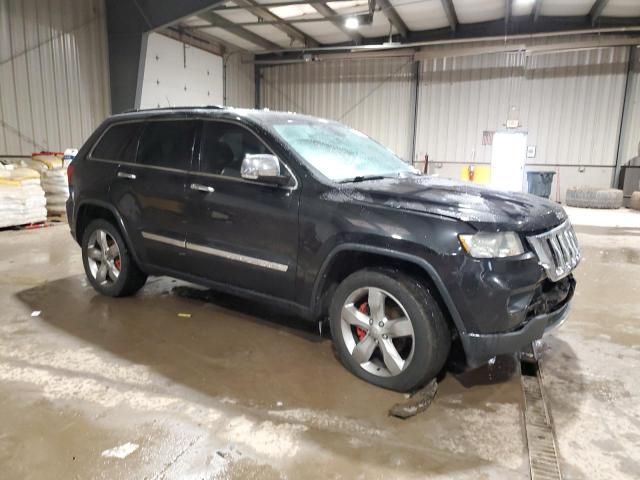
[418, 402]
[121, 451]
[184, 315]
[36, 313]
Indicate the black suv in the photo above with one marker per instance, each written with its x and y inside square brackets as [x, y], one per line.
[318, 218]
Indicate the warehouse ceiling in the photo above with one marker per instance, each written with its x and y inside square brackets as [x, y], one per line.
[271, 26]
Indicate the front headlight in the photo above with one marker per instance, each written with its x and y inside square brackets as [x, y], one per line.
[492, 245]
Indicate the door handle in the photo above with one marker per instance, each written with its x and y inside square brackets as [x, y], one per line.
[130, 176]
[202, 188]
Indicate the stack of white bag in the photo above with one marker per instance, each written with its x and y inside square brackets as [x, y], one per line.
[53, 172]
[56, 188]
[22, 199]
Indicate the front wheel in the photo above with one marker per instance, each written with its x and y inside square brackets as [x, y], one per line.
[108, 264]
[388, 329]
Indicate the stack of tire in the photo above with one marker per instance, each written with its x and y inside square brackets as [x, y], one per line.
[635, 201]
[590, 197]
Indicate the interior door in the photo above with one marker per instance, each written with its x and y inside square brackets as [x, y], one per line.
[508, 156]
[241, 232]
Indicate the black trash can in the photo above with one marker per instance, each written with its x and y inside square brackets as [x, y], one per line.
[539, 183]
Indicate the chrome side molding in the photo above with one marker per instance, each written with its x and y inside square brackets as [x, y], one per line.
[258, 262]
[167, 240]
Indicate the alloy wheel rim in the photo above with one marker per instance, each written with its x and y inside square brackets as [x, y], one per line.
[377, 331]
[103, 257]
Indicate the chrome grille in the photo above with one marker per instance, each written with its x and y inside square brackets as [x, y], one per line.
[557, 250]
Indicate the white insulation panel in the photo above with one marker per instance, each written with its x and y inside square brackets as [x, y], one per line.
[176, 74]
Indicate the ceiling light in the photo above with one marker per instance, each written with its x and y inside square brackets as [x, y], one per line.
[352, 23]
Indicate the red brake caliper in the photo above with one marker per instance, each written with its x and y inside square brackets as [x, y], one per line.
[361, 333]
[117, 263]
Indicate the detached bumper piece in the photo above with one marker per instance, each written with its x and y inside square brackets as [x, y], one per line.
[547, 310]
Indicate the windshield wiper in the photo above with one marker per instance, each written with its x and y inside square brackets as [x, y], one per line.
[363, 178]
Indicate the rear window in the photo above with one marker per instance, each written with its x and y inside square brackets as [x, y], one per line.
[119, 143]
[167, 144]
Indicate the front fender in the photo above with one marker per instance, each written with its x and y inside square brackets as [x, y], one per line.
[392, 254]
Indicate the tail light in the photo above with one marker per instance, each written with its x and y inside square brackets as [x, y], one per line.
[70, 172]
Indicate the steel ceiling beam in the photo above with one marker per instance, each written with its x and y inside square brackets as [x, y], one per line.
[507, 13]
[266, 15]
[227, 8]
[205, 41]
[537, 10]
[332, 16]
[521, 27]
[257, 22]
[393, 17]
[450, 11]
[219, 21]
[596, 10]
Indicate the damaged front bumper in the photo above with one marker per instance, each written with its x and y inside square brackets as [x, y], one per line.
[480, 348]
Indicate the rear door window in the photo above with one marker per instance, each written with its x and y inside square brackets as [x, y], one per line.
[119, 143]
[168, 144]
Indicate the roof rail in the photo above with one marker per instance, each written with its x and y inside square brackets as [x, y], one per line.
[212, 107]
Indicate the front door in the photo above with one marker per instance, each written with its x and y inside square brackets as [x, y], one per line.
[241, 233]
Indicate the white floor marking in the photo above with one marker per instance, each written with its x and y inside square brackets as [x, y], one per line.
[121, 451]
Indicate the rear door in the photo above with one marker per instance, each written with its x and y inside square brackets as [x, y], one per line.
[240, 232]
[117, 144]
[150, 193]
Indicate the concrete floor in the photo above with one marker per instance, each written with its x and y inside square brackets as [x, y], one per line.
[236, 391]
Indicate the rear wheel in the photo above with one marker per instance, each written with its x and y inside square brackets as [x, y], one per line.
[108, 264]
[388, 329]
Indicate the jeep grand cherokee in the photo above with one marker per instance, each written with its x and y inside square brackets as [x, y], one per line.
[320, 219]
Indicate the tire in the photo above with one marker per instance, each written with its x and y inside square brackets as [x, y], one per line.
[588, 197]
[129, 278]
[634, 201]
[422, 353]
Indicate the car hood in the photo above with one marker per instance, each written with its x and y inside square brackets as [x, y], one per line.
[484, 208]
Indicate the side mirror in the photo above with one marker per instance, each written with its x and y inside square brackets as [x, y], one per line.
[262, 167]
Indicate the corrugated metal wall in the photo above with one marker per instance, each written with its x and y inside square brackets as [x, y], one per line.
[461, 97]
[240, 85]
[630, 135]
[53, 73]
[375, 96]
[569, 103]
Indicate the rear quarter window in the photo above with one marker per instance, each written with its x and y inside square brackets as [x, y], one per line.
[119, 143]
